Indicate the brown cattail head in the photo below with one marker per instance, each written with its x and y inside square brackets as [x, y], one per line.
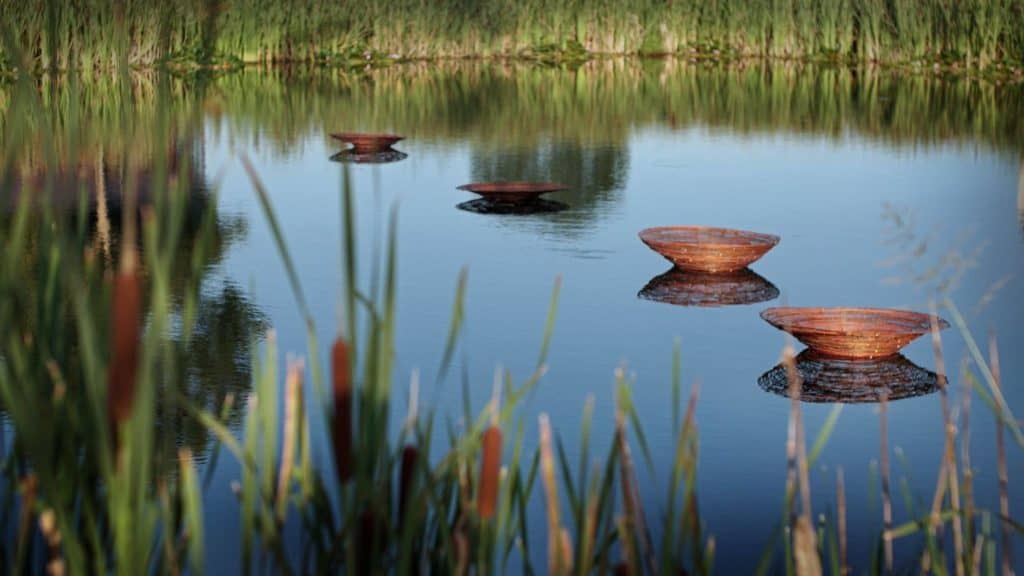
[342, 423]
[124, 346]
[490, 467]
[409, 456]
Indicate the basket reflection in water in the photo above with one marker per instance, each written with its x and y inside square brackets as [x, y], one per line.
[829, 379]
[382, 157]
[706, 289]
[488, 206]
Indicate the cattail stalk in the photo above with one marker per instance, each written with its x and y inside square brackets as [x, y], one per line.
[557, 562]
[342, 383]
[841, 505]
[490, 462]
[965, 463]
[292, 420]
[950, 460]
[630, 498]
[124, 344]
[886, 497]
[1004, 476]
[410, 455]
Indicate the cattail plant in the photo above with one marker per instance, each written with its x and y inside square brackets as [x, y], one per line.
[124, 336]
[490, 461]
[341, 372]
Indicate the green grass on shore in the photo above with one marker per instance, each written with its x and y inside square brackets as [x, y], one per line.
[87, 34]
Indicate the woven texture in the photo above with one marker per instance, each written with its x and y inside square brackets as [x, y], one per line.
[706, 289]
[512, 192]
[827, 379]
[364, 143]
[853, 332]
[707, 249]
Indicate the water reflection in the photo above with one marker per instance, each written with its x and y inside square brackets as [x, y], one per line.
[594, 175]
[827, 379]
[214, 361]
[1020, 192]
[217, 364]
[683, 288]
[538, 206]
[383, 157]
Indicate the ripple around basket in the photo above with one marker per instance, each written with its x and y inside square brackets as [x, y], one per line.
[365, 143]
[827, 379]
[706, 289]
[708, 249]
[859, 333]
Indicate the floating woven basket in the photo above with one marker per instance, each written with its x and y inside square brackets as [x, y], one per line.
[827, 379]
[863, 333]
[512, 192]
[365, 143]
[707, 249]
[683, 288]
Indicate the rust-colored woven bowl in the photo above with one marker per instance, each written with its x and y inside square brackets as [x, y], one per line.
[826, 379]
[707, 249]
[367, 143]
[683, 288]
[860, 333]
[512, 192]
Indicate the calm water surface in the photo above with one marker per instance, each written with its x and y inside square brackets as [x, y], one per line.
[853, 170]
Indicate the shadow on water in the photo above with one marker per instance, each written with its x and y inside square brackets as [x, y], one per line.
[538, 206]
[383, 157]
[704, 289]
[827, 379]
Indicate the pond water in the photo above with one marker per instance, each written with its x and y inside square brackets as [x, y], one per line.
[886, 190]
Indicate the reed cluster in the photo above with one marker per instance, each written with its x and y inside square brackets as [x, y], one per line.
[96, 386]
[94, 34]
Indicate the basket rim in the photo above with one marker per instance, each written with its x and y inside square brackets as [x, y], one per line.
[722, 237]
[824, 320]
[512, 187]
[349, 136]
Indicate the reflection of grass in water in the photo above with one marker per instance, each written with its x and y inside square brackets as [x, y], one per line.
[1020, 192]
[93, 33]
[600, 103]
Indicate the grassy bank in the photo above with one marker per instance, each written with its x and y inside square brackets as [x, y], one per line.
[89, 34]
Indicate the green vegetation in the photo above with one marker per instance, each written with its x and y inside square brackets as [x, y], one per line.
[111, 341]
[89, 34]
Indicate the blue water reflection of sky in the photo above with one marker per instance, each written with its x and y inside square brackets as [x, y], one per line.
[825, 198]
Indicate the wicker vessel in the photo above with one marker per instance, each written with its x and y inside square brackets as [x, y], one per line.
[827, 379]
[366, 143]
[859, 333]
[707, 249]
[706, 289]
[385, 157]
[512, 192]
